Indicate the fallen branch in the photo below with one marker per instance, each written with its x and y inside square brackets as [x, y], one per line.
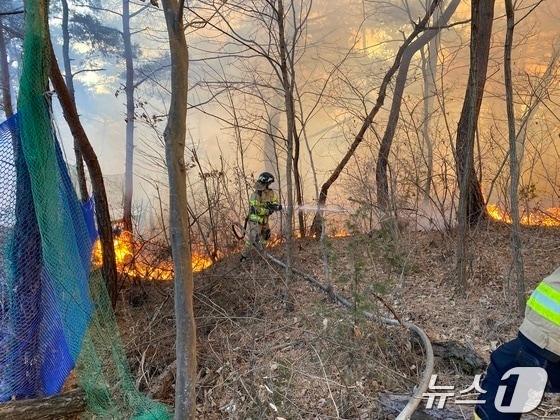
[56, 406]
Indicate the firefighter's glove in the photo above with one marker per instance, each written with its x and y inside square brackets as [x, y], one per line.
[273, 207]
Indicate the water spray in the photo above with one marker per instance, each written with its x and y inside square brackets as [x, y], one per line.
[315, 207]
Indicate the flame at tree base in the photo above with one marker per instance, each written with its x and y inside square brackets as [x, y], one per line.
[200, 262]
[150, 261]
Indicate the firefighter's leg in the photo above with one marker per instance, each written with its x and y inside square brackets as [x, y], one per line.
[253, 237]
[260, 241]
[516, 353]
[553, 370]
[265, 234]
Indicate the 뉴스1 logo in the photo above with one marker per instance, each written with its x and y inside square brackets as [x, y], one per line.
[527, 394]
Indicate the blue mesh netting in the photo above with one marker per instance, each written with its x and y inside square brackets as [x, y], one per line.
[55, 313]
[44, 297]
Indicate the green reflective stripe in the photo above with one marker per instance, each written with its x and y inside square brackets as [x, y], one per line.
[545, 301]
[545, 312]
[255, 218]
[548, 291]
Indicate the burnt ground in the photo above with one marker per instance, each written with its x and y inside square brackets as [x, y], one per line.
[326, 360]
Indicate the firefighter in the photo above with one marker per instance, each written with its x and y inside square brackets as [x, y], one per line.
[536, 346]
[262, 203]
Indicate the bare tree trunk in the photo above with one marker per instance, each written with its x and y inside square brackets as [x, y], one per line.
[368, 121]
[481, 31]
[129, 92]
[101, 205]
[174, 136]
[429, 71]
[290, 118]
[297, 178]
[517, 271]
[68, 77]
[5, 73]
[471, 206]
[383, 198]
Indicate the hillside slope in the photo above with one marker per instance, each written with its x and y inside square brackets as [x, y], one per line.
[323, 359]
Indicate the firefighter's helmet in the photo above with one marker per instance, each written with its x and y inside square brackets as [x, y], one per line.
[266, 178]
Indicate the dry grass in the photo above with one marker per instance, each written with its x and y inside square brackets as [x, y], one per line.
[324, 360]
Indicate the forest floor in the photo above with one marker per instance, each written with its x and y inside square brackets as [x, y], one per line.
[327, 360]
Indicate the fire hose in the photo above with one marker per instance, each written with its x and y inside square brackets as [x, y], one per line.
[422, 387]
[413, 403]
[239, 230]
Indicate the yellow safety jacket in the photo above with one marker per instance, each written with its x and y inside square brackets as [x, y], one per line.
[258, 205]
[542, 315]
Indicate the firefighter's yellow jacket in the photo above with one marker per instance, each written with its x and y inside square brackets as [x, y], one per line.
[542, 314]
[258, 205]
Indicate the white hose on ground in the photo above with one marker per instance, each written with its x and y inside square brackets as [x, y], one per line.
[413, 403]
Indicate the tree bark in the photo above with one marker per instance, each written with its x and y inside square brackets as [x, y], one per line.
[103, 216]
[290, 118]
[471, 207]
[297, 177]
[174, 136]
[58, 406]
[481, 31]
[514, 164]
[129, 92]
[429, 72]
[383, 198]
[5, 73]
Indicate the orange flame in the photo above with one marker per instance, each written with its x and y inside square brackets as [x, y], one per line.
[200, 262]
[536, 217]
[136, 263]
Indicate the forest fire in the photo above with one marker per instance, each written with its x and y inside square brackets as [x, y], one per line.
[149, 262]
[200, 262]
[339, 234]
[536, 217]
